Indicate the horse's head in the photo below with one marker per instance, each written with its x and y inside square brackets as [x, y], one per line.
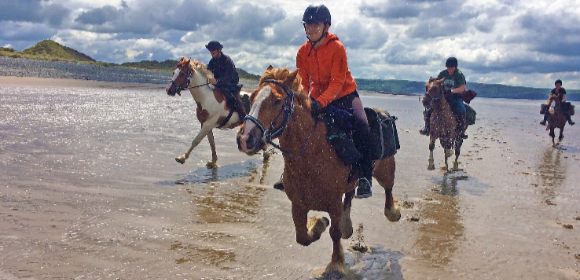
[555, 105]
[181, 77]
[433, 90]
[272, 107]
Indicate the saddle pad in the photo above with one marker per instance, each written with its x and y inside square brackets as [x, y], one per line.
[384, 135]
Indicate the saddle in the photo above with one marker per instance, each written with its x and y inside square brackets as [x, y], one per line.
[235, 105]
[384, 137]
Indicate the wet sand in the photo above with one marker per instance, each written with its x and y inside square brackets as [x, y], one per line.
[89, 189]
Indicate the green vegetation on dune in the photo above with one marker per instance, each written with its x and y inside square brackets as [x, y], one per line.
[48, 50]
[53, 51]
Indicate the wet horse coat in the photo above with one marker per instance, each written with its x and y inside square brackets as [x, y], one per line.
[212, 111]
[443, 124]
[314, 177]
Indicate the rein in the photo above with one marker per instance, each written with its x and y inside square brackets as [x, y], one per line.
[435, 98]
[186, 85]
[288, 110]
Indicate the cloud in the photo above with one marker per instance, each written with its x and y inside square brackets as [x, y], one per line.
[36, 11]
[510, 41]
[99, 16]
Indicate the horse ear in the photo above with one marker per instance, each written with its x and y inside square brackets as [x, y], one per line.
[270, 67]
[291, 77]
[441, 80]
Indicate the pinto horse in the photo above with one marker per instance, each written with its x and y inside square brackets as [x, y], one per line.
[212, 111]
[314, 177]
[556, 119]
[443, 124]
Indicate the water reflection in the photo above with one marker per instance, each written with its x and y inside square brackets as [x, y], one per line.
[552, 173]
[441, 226]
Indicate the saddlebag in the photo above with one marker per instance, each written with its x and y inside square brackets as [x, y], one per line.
[544, 109]
[384, 136]
[568, 108]
[469, 115]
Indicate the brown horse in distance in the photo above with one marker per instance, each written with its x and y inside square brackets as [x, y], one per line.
[557, 119]
[443, 124]
[314, 177]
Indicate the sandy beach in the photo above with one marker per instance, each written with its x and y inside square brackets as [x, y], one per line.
[89, 189]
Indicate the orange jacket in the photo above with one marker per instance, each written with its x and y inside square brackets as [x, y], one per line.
[327, 68]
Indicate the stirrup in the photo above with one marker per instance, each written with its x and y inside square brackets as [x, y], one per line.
[364, 188]
[280, 184]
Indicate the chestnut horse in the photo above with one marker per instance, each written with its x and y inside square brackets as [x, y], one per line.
[314, 177]
[211, 104]
[443, 124]
[557, 119]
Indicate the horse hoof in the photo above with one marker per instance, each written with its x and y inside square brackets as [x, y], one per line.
[431, 166]
[393, 214]
[211, 165]
[180, 160]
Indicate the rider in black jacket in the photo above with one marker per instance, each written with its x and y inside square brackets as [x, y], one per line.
[225, 76]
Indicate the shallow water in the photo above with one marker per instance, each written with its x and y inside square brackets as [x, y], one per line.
[89, 189]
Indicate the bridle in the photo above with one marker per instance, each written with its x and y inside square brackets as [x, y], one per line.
[179, 88]
[286, 112]
[435, 98]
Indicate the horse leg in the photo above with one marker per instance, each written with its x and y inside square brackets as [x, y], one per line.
[307, 232]
[431, 165]
[202, 133]
[346, 222]
[458, 144]
[384, 172]
[561, 137]
[447, 145]
[552, 134]
[337, 266]
[213, 163]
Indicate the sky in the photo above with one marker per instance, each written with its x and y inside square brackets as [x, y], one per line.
[512, 42]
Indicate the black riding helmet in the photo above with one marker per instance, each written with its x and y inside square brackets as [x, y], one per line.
[451, 62]
[214, 45]
[558, 81]
[316, 14]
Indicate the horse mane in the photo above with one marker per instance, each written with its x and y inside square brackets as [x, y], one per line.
[197, 65]
[280, 74]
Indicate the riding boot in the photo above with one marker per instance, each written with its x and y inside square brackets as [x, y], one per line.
[427, 114]
[361, 136]
[545, 119]
[569, 118]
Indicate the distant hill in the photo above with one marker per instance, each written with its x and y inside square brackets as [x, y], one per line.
[48, 50]
[405, 87]
[169, 65]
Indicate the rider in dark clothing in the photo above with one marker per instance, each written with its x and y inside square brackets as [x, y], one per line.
[225, 76]
[560, 93]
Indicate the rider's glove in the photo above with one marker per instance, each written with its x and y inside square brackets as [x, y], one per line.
[315, 107]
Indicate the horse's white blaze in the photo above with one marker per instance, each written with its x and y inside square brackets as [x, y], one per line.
[255, 110]
[176, 74]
